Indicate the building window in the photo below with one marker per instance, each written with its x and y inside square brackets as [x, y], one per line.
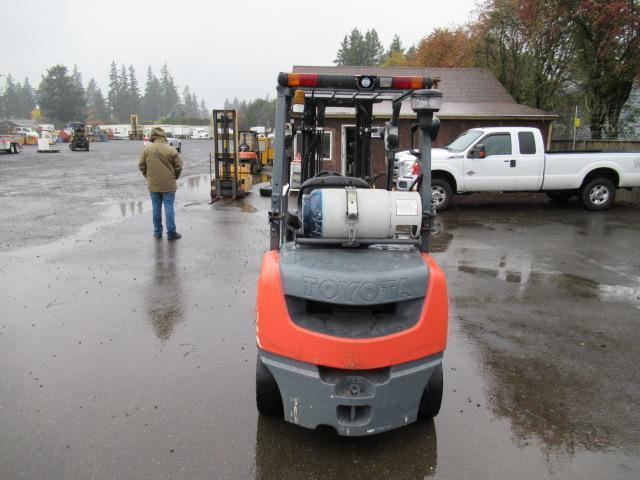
[327, 143]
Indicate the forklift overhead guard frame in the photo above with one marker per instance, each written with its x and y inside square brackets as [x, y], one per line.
[361, 92]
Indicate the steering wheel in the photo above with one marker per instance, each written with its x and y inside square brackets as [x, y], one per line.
[328, 173]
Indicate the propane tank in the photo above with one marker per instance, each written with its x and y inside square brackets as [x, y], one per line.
[357, 213]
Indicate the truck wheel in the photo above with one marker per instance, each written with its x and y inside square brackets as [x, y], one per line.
[268, 399]
[598, 194]
[432, 395]
[560, 197]
[441, 194]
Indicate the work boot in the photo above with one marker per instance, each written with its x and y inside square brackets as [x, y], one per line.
[157, 235]
[173, 236]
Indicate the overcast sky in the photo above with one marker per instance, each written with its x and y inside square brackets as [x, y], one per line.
[220, 49]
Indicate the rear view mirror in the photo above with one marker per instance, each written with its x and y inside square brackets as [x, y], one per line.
[288, 135]
[478, 151]
[390, 138]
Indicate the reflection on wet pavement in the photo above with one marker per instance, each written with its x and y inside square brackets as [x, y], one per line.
[549, 326]
[163, 295]
[284, 451]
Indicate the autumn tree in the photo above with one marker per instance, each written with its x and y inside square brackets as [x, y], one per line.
[445, 47]
[607, 48]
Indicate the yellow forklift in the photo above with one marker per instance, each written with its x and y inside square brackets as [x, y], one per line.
[137, 131]
[230, 178]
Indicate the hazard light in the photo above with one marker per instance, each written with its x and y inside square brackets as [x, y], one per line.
[353, 82]
[301, 80]
[410, 83]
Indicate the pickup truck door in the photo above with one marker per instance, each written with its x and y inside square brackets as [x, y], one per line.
[530, 162]
[497, 171]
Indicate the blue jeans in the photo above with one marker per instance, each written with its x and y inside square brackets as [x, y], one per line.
[167, 199]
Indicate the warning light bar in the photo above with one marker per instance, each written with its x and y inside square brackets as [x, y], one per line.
[353, 82]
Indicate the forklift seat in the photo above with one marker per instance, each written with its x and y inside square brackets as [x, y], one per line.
[330, 181]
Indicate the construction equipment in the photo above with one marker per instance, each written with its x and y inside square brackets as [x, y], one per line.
[137, 130]
[352, 311]
[265, 147]
[79, 138]
[249, 151]
[229, 177]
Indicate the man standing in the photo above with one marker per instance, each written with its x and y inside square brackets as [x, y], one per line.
[161, 165]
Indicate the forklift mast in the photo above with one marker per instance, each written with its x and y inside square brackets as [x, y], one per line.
[317, 92]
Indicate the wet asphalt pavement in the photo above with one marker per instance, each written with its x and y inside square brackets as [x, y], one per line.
[124, 357]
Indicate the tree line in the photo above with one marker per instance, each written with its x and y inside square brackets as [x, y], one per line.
[253, 113]
[61, 97]
[549, 54]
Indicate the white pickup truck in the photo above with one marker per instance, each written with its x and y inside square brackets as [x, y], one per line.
[512, 159]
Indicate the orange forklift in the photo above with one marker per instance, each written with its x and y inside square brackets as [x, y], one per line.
[249, 151]
[352, 310]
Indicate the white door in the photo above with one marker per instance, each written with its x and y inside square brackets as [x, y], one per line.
[530, 163]
[497, 170]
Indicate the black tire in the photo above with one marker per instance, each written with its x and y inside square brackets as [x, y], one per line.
[432, 396]
[442, 193]
[598, 194]
[268, 399]
[265, 191]
[560, 197]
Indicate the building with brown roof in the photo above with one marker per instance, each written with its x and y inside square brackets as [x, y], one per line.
[473, 97]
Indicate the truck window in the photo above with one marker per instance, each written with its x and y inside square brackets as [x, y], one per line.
[527, 143]
[499, 144]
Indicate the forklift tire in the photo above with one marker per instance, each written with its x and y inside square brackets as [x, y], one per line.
[268, 399]
[432, 395]
[265, 191]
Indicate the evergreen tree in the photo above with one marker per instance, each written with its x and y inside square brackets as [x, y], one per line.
[195, 111]
[169, 100]
[114, 89]
[11, 98]
[204, 112]
[27, 99]
[124, 99]
[96, 108]
[60, 100]
[135, 102]
[394, 57]
[357, 49]
[151, 100]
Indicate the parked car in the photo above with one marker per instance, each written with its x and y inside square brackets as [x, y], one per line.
[120, 136]
[513, 159]
[174, 142]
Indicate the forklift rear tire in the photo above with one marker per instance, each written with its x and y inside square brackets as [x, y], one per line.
[265, 191]
[268, 399]
[432, 396]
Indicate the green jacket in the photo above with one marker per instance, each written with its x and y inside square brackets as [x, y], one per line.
[161, 165]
